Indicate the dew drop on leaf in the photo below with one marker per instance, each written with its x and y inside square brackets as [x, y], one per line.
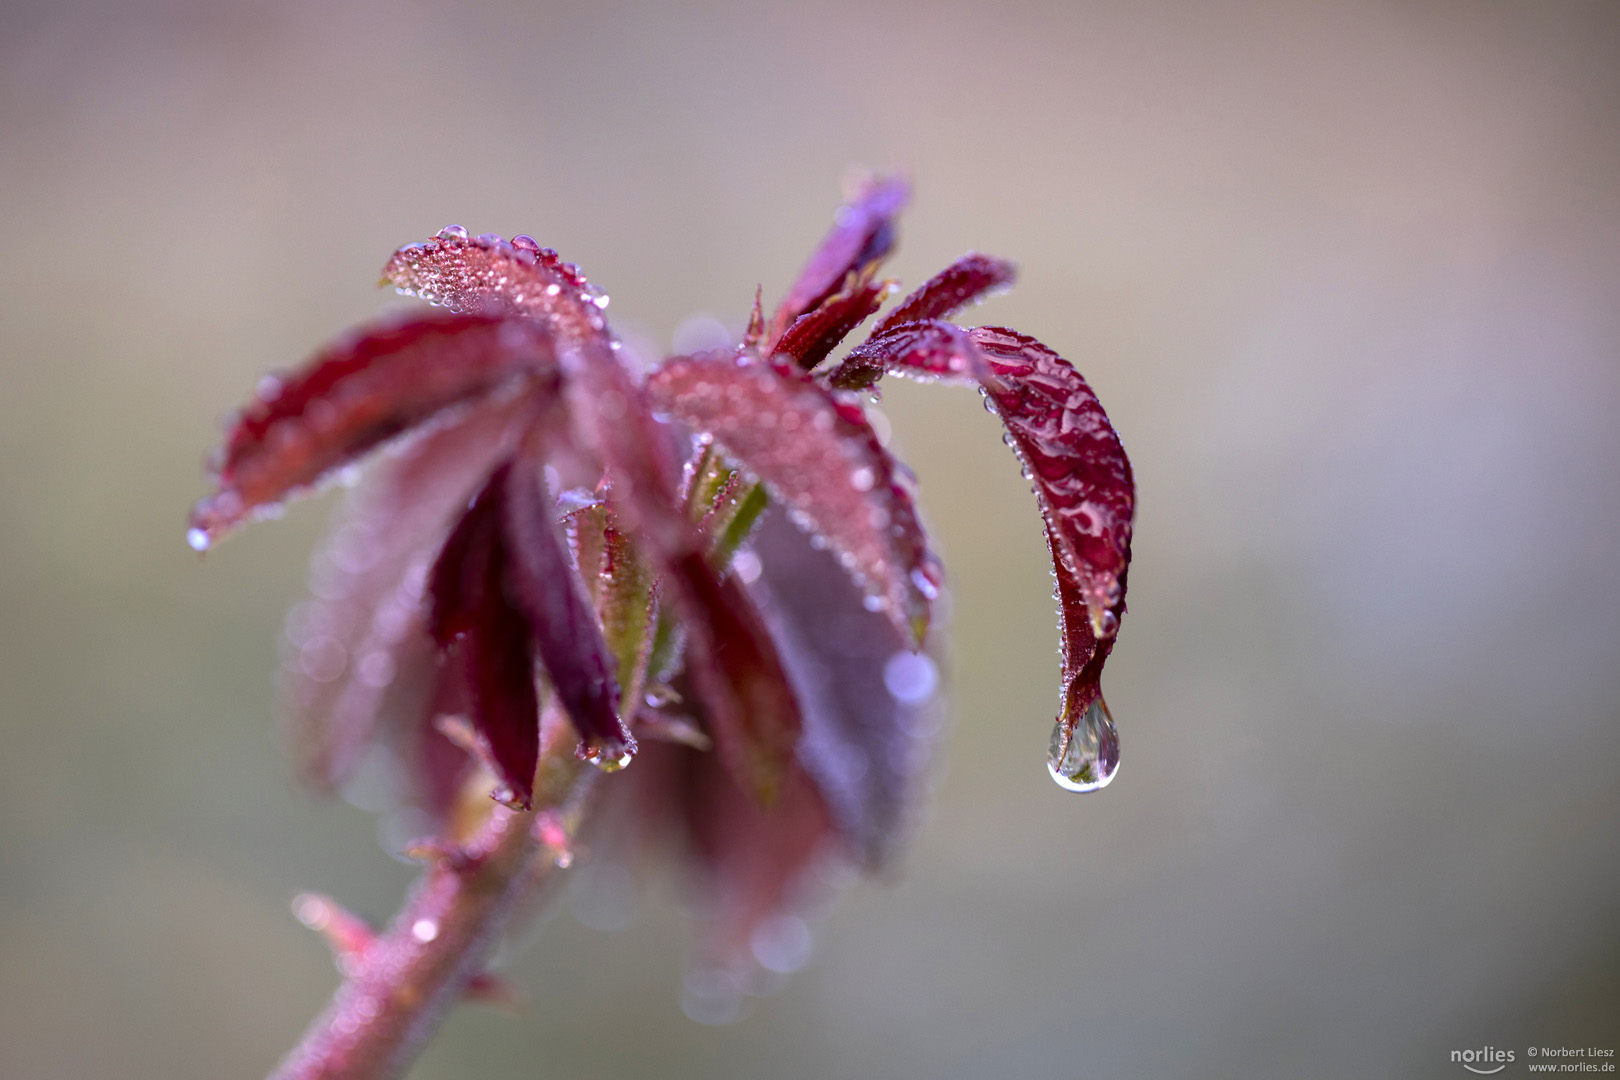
[1086, 757]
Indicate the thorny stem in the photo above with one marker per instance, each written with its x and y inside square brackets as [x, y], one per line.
[401, 986]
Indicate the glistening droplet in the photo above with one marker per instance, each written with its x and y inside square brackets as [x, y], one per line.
[607, 761]
[1086, 756]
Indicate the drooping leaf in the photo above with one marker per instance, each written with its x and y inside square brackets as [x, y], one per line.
[932, 351]
[355, 396]
[1083, 714]
[968, 279]
[1074, 457]
[815, 334]
[820, 458]
[487, 640]
[360, 644]
[862, 235]
[871, 704]
[562, 621]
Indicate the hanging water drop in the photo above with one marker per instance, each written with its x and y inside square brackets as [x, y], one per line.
[606, 761]
[1085, 757]
[198, 539]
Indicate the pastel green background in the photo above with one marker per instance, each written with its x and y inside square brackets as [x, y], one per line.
[1346, 276]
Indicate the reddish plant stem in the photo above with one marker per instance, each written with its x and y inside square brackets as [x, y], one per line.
[400, 987]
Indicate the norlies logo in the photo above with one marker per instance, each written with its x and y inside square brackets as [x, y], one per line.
[1484, 1061]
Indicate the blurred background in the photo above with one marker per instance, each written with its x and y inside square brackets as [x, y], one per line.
[1346, 276]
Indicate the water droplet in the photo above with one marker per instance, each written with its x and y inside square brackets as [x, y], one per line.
[1085, 758]
[910, 678]
[198, 539]
[453, 232]
[553, 289]
[862, 479]
[782, 943]
[525, 242]
[873, 602]
[746, 565]
[607, 761]
[489, 239]
[424, 930]
[1104, 624]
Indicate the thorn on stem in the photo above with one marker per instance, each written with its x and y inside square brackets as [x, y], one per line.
[346, 934]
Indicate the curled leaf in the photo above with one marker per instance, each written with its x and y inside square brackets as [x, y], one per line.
[355, 396]
[820, 458]
[817, 333]
[1074, 457]
[542, 582]
[933, 351]
[862, 235]
[968, 279]
[487, 640]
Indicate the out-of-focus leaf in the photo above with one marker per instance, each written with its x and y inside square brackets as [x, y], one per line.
[360, 642]
[732, 660]
[862, 235]
[820, 458]
[871, 705]
[968, 279]
[355, 396]
[487, 639]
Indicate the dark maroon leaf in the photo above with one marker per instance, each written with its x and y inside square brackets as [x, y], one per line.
[561, 618]
[748, 701]
[930, 351]
[1085, 746]
[487, 639]
[821, 459]
[817, 333]
[970, 278]
[353, 397]
[862, 235]
[358, 645]
[1074, 456]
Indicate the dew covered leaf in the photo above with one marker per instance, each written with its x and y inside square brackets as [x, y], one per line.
[815, 334]
[359, 647]
[933, 351]
[355, 396]
[967, 280]
[862, 235]
[820, 459]
[1081, 474]
[491, 276]
[487, 640]
[542, 583]
[1083, 722]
